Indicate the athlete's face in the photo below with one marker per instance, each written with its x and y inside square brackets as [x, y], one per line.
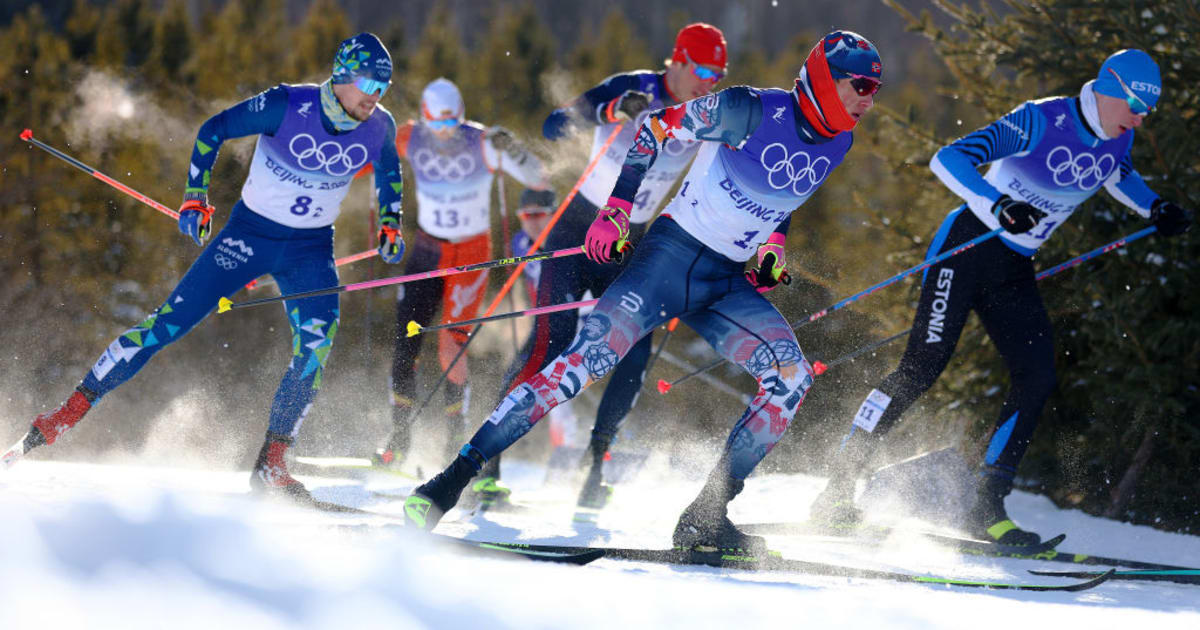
[357, 103]
[856, 105]
[684, 82]
[1115, 116]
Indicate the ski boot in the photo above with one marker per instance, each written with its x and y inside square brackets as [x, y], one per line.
[488, 493]
[50, 426]
[431, 500]
[595, 493]
[705, 525]
[270, 476]
[393, 453]
[833, 511]
[989, 521]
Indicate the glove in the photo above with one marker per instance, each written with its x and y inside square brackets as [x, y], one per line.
[1016, 217]
[195, 219]
[1170, 219]
[609, 233]
[501, 138]
[391, 244]
[770, 271]
[629, 104]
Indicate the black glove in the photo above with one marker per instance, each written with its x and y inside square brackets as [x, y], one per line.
[1170, 219]
[632, 103]
[1016, 217]
[501, 138]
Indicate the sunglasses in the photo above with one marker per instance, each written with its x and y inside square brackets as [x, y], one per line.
[863, 85]
[533, 212]
[1136, 104]
[702, 73]
[445, 123]
[371, 86]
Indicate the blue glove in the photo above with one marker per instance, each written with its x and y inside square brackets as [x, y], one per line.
[195, 219]
[391, 244]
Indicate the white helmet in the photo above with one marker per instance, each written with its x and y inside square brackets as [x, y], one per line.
[441, 100]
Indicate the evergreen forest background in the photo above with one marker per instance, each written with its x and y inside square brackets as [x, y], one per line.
[123, 86]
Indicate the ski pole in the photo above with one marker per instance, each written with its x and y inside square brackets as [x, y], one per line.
[507, 236]
[27, 136]
[662, 344]
[853, 298]
[415, 329]
[821, 367]
[537, 243]
[225, 304]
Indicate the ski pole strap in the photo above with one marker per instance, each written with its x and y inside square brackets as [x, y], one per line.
[415, 329]
[27, 136]
[225, 304]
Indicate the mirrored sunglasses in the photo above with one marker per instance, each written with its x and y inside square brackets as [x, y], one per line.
[704, 74]
[1136, 104]
[444, 123]
[371, 86]
[865, 86]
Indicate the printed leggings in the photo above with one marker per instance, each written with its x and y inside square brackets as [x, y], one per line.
[566, 280]
[713, 298]
[249, 246]
[998, 284]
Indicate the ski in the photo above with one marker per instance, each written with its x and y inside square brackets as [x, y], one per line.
[1055, 555]
[323, 465]
[877, 534]
[1180, 576]
[577, 556]
[775, 563]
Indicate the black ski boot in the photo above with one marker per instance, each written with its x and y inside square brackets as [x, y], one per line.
[270, 475]
[595, 493]
[705, 525]
[988, 520]
[432, 499]
[833, 510]
[488, 492]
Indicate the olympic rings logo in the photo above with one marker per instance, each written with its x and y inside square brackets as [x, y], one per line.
[225, 262]
[440, 167]
[1084, 169]
[798, 171]
[329, 156]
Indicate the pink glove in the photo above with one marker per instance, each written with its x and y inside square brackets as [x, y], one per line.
[770, 271]
[609, 232]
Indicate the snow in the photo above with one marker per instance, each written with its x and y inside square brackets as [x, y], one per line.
[112, 546]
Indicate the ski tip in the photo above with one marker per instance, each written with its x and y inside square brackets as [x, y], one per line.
[414, 328]
[27, 135]
[224, 304]
[819, 368]
[663, 386]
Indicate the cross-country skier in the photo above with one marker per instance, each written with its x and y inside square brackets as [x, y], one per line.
[454, 161]
[1048, 156]
[763, 153]
[697, 64]
[311, 141]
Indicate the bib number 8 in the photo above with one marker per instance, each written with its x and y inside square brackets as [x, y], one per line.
[301, 207]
